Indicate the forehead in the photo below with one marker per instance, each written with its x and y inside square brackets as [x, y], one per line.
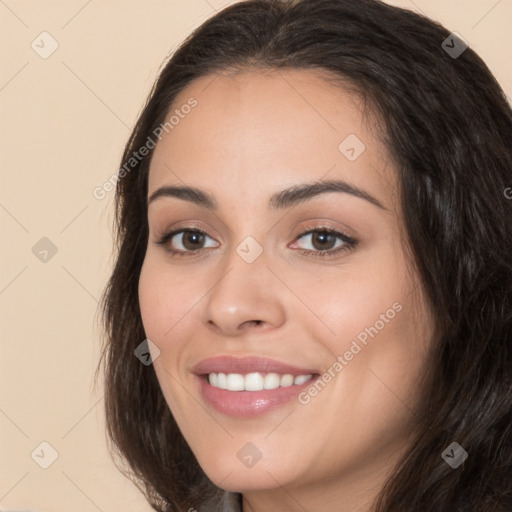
[267, 129]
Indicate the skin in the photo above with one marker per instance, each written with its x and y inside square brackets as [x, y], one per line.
[253, 134]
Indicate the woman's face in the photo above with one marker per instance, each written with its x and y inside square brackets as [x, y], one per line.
[311, 281]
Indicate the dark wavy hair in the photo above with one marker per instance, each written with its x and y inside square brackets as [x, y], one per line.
[448, 127]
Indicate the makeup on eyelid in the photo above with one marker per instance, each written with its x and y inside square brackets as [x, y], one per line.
[348, 242]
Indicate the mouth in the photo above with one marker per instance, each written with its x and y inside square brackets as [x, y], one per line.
[255, 381]
[250, 386]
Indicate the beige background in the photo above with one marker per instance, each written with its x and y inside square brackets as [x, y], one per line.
[64, 121]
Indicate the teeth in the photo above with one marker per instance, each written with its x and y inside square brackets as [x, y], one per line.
[286, 380]
[214, 379]
[235, 382]
[222, 381]
[255, 381]
[300, 379]
[271, 381]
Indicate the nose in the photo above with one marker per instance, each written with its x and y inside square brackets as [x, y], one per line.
[246, 296]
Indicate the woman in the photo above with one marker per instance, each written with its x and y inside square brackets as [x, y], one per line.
[314, 253]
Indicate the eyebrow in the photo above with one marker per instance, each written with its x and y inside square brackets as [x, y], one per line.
[283, 199]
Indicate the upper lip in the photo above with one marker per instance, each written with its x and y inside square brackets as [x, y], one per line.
[243, 365]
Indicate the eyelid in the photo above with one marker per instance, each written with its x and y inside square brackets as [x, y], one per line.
[325, 224]
[348, 242]
[324, 229]
[167, 235]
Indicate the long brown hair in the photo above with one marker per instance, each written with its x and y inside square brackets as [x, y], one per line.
[448, 126]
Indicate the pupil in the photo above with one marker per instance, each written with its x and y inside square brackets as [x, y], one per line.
[324, 239]
[193, 237]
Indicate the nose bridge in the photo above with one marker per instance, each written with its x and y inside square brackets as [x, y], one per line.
[246, 293]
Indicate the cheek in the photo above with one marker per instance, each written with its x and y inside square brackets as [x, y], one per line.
[151, 301]
[357, 299]
[165, 298]
[375, 324]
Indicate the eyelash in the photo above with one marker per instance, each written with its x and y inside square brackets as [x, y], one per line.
[349, 242]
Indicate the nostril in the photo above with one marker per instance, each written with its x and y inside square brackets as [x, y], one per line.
[253, 323]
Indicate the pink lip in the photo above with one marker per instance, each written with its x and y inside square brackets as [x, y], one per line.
[247, 404]
[244, 365]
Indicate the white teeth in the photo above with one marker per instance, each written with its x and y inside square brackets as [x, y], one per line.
[235, 382]
[214, 379]
[300, 379]
[271, 381]
[255, 381]
[222, 381]
[286, 380]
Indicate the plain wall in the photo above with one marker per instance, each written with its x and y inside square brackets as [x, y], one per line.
[64, 121]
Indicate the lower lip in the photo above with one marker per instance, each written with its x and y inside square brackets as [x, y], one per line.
[247, 404]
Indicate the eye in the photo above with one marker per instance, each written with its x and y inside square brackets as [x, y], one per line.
[326, 242]
[185, 241]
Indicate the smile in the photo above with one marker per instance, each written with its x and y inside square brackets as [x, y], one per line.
[255, 381]
[246, 387]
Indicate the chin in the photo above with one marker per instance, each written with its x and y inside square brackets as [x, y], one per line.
[235, 477]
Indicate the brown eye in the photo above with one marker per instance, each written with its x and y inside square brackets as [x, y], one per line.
[192, 240]
[186, 241]
[322, 240]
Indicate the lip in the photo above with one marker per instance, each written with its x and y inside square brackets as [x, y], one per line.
[244, 365]
[248, 404]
